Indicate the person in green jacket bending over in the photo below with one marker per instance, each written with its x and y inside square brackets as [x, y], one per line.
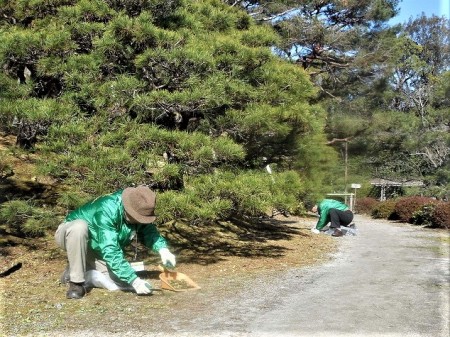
[95, 235]
[333, 211]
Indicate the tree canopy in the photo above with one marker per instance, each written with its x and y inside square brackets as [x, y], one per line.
[379, 84]
[186, 97]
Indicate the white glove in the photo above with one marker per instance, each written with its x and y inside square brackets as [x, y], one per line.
[315, 230]
[141, 287]
[167, 258]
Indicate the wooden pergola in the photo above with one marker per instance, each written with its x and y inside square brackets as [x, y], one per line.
[386, 183]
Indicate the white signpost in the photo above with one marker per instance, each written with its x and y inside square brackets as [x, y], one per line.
[355, 187]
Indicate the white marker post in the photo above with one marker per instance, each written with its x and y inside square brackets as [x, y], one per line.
[355, 187]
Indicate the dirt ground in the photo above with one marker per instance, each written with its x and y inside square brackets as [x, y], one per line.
[34, 303]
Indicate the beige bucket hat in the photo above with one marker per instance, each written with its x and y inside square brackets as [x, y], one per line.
[139, 202]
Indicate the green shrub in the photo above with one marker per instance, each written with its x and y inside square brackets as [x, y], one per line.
[25, 219]
[70, 200]
[424, 216]
[440, 217]
[385, 210]
[189, 207]
[366, 205]
[406, 207]
[224, 194]
[5, 171]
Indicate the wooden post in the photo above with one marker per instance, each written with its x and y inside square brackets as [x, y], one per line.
[383, 197]
[346, 165]
[345, 140]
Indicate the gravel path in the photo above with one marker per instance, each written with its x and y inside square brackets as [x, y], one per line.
[387, 281]
[390, 280]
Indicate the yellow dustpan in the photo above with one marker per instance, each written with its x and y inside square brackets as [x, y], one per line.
[176, 281]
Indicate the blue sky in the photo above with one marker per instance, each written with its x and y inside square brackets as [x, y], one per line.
[415, 8]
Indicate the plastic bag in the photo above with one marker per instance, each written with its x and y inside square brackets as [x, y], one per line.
[349, 231]
[96, 279]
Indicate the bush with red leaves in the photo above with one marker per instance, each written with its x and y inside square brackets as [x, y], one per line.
[406, 207]
[441, 215]
[365, 205]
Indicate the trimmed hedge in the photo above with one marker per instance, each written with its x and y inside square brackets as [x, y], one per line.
[416, 210]
[423, 216]
[366, 205]
[406, 207]
[385, 210]
[434, 214]
[440, 217]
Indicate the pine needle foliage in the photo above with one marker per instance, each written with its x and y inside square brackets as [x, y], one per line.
[184, 96]
[25, 218]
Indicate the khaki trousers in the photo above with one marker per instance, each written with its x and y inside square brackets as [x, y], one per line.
[73, 237]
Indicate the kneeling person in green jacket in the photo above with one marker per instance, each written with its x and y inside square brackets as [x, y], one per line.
[97, 232]
[333, 211]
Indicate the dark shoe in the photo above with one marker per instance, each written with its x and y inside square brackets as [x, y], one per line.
[337, 233]
[65, 276]
[352, 225]
[76, 290]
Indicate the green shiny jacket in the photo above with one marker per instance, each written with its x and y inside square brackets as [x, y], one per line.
[324, 211]
[109, 233]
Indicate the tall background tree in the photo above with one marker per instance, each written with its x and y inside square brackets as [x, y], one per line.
[381, 86]
[411, 126]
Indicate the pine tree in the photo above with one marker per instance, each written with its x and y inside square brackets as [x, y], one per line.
[186, 97]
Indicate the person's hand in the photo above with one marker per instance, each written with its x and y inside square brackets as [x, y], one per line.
[167, 258]
[141, 287]
[315, 230]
